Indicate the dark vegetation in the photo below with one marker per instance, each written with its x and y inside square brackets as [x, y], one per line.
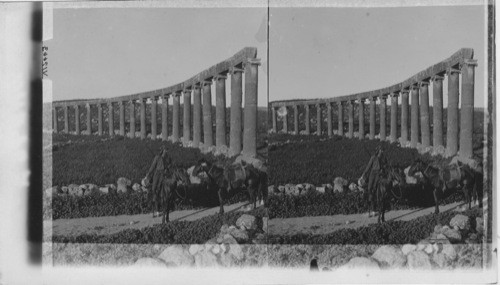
[133, 203]
[346, 203]
[392, 232]
[175, 232]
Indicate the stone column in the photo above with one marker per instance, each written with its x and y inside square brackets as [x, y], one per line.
[154, 122]
[122, 118]
[176, 116]
[220, 110]
[111, 118]
[394, 117]
[404, 115]
[186, 122]
[425, 126]
[54, 120]
[453, 98]
[66, 119]
[142, 103]
[89, 120]
[307, 120]
[285, 120]
[372, 117]
[207, 113]
[318, 119]
[250, 125]
[467, 108]
[296, 119]
[77, 119]
[132, 118]
[329, 117]
[414, 116]
[361, 118]
[236, 100]
[197, 115]
[99, 119]
[383, 125]
[437, 110]
[164, 117]
[350, 113]
[341, 119]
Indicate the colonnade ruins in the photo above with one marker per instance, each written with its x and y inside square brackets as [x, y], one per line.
[412, 126]
[196, 94]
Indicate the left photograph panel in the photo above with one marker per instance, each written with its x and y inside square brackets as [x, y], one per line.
[155, 136]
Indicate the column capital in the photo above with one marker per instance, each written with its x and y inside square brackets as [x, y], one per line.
[295, 107]
[165, 97]
[235, 69]
[131, 101]
[142, 100]
[317, 104]
[414, 87]
[253, 61]
[394, 94]
[339, 103]
[220, 77]
[177, 93]
[154, 99]
[423, 83]
[206, 82]
[76, 106]
[470, 62]
[405, 91]
[187, 90]
[87, 105]
[197, 86]
[437, 77]
[99, 105]
[109, 103]
[383, 97]
[452, 70]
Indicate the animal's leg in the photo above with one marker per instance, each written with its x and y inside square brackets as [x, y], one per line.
[436, 200]
[251, 192]
[221, 201]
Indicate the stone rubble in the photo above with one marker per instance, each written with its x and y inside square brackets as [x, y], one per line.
[447, 247]
[236, 245]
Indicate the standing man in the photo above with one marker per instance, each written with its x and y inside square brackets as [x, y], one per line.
[375, 169]
[157, 175]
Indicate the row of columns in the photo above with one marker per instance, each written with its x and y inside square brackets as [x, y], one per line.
[415, 126]
[240, 140]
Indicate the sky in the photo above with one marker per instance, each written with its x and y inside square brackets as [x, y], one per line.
[109, 52]
[329, 52]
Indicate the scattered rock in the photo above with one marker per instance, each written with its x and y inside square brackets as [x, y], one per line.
[418, 260]
[460, 221]
[407, 248]
[75, 190]
[194, 248]
[291, 189]
[205, 258]
[147, 262]
[390, 256]
[176, 255]
[453, 235]
[449, 251]
[246, 222]
[123, 185]
[353, 187]
[339, 183]
[136, 187]
[439, 259]
[362, 262]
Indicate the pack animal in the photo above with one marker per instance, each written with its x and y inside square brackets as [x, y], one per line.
[447, 180]
[233, 178]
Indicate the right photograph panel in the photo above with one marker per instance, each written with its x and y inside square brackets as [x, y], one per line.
[378, 153]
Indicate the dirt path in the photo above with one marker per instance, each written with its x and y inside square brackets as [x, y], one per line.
[113, 224]
[328, 224]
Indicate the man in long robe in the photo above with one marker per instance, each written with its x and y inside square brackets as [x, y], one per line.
[157, 178]
[375, 169]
